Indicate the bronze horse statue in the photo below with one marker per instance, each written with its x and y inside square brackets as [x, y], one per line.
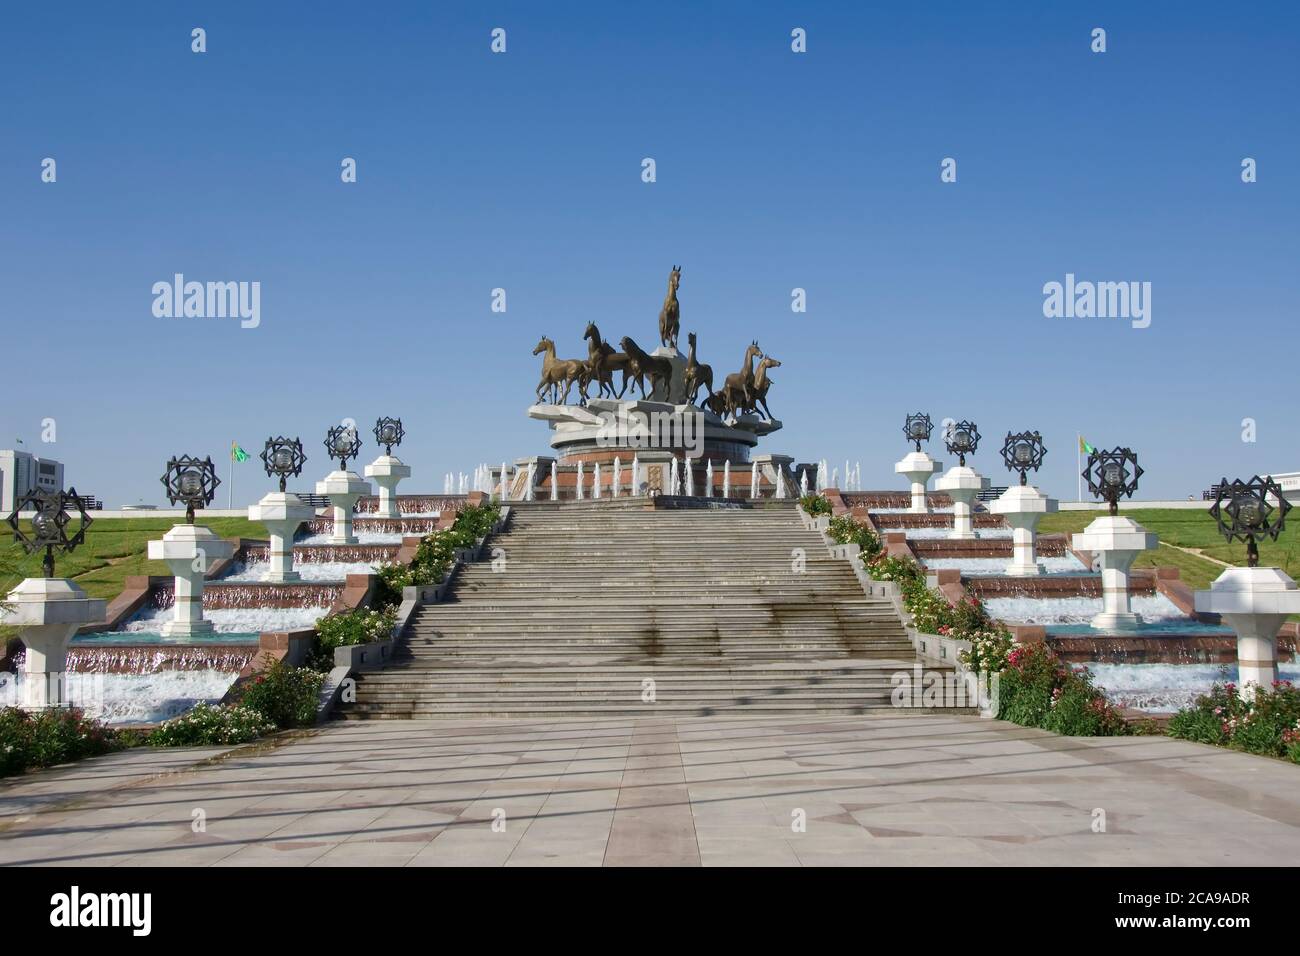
[758, 392]
[697, 374]
[641, 363]
[602, 363]
[670, 315]
[557, 372]
[738, 385]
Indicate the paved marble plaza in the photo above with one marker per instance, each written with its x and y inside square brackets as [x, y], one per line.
[881, 789]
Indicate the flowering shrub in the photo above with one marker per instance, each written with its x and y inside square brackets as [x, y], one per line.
[284, 695]
[901, 570]
[358, 626]
[208, 724]
[989, 651]
[1268, 725]
[844, 530]
[1037, 690]
[50, 737]
[815, 505]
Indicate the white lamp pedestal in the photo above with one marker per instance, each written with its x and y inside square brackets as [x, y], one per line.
[962, 484]
[1116, 541]
[387, 472]
[343, 488]
[1255, 602]
[189, 550]
[1021, 506]
[282, 513]
[48, 612]
[918, 468]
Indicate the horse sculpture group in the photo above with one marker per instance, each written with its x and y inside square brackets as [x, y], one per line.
[741, 392]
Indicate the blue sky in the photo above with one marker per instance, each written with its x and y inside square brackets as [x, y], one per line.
[522, 171]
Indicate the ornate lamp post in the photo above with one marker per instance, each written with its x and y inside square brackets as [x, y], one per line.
[343, 487]
[387, 470]
[962, 484]
[48, 611]
[190, 550]
[1254, 601]
[1023, 505]
[917, 467]
[1115, 540]
[281, 512]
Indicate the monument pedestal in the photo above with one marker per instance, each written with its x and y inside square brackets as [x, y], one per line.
[343, 488]
[962, 484]
[281, 513]
[189, 550]
[918, 468]
[1021, 506]
[387, 472]
[48, 612]
[1116, 541]
[1255, 602]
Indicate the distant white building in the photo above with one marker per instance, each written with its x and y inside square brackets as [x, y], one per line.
[22, 472]
[1290, 484]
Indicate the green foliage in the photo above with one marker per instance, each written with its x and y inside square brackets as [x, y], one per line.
[206, 724]
[282, 694]
[815, 505]
[358, 626]
[904, 571]
[50, 737]
[845, 530]
[1268, 725]
[436, 553]
[1037, 690]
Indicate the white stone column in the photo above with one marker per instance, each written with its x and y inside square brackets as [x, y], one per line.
[387, 471]
[1022, 506]
[48, 613]
[963, 485]
[343, 488]
[189, 550]
[281, 513]
[918, 468]
[1254, 602]
[1116, 541]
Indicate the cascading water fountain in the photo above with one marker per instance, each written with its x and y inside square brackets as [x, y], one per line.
[753, 480]
[708, 479]
[618, 476]
[555, 484]
[690, 481]
[726, 479]
[595, 480]
[579, 492]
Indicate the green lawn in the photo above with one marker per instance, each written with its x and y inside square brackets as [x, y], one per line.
[1188, 529]
[114, 550]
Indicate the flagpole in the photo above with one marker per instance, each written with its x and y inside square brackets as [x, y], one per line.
[230, 501]
[1078, 462]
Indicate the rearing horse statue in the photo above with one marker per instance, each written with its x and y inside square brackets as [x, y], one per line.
[671, 314]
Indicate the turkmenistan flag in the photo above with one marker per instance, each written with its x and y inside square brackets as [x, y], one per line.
[237, 453]
[1085, 447]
